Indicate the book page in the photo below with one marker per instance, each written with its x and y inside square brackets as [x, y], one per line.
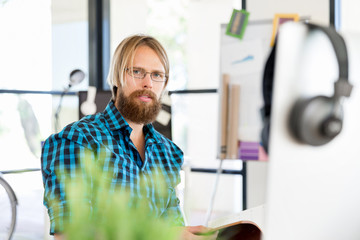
[254, 215]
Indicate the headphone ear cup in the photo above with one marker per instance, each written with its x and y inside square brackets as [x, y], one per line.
[314, 122]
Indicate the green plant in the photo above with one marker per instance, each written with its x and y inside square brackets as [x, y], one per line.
[98, 212]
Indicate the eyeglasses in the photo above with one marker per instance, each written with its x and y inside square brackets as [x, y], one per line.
[140, 73]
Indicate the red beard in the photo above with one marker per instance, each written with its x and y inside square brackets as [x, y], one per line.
[134, 110]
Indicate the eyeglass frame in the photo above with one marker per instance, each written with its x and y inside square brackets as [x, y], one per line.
[145, 73]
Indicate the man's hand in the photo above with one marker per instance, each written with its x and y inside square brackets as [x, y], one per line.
[197, 233]
[58, 236]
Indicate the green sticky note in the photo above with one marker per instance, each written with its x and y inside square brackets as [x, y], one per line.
[238, 22]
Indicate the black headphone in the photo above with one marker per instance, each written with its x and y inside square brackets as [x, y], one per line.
[319, 119]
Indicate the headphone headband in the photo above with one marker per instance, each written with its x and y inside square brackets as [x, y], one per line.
[316, 120]
[342, 86]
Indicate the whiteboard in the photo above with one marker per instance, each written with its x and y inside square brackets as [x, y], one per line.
[244, 60]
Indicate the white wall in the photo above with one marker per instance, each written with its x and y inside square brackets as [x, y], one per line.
[349, 15]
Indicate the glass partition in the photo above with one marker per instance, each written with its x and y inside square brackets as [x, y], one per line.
[25, 121]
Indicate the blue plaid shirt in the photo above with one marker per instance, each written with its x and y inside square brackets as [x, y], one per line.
[61, 154]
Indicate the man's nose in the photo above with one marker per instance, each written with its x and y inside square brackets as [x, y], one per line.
[147, 81]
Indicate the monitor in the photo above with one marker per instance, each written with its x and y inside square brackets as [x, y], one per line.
[312, 191]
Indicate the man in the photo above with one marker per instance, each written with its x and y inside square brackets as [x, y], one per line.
[133, 148]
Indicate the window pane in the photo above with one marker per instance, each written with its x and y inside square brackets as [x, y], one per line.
[70, 42]
[25, 121]
[28, 188]
[25, 45]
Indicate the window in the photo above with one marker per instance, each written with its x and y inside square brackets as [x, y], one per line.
[25, 119]
[36, 58]
[25, 62]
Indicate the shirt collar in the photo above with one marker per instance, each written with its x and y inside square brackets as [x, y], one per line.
[114, 118]
[151, 135]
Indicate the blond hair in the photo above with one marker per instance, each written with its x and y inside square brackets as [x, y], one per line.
[124, 54]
